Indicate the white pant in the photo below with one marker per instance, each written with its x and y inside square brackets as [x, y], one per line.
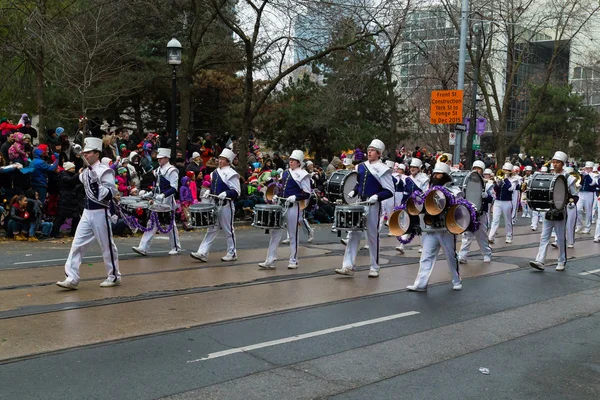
[480, 235]
[431, 247]
[293, 217]
[597, 233]
[547, 227]
[304, 224]
[372, 233]
[93, 224]
[526, 209]
[224, 221]
[536, 216]
[585, 204]
[516, 196]
[504, 208]
[147, 237]
[571, 222]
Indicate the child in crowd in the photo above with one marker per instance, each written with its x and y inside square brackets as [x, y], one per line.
[34, 208]
[19, 222]
[185, 200]
[123, 181]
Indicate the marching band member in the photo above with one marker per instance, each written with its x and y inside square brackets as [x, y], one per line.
[310, 231]
[587, 193]
[387, 205]
[399, 177]
[527, 182]
[488, 176]
[503, 204]
[296, 187]
[224, 183]
[555, 220]
[481, 233]
[436, 236]
[571, 215]
[165, 187]
[420, 179]
[537, 216]
[374, 185]
[516, 194]
[409, 187]
[99, 184]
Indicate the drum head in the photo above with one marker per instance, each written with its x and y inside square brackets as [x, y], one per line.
[458, 219]
[349, 183]
[158, 207]
[265, 207]
[201, 207]
[139, 204]
[399, 222]
[473, 189]
[559, 192]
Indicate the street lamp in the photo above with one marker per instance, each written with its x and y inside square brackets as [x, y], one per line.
[174, 59]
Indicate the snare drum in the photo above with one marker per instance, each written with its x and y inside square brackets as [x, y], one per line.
[471, 184]
[268, 216]
[339, 184]
[164, 213]
[349, 218]
[203, 215]
[547, 192]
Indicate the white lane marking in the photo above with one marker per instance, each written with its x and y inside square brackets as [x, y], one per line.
[589, 272]
[86, 257]
[303, 336]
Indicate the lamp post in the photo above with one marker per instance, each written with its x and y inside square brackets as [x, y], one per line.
[477, 65]
[174, 59]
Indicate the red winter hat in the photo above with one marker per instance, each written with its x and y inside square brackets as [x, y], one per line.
[190, 174]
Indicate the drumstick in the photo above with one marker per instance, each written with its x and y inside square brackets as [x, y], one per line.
[224, 198]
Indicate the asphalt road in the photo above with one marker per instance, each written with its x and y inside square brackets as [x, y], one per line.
[536, 332]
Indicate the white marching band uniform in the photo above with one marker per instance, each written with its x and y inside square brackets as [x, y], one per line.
[587, 194]
[99, 183]
[503, 206]
[296, 188]
[557, 222]
[225, 183]
[517, 180]
[436, 237]
[165, 187]
[374, 185]
[388, 205]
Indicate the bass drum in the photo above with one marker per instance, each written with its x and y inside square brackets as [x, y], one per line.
[339, 184]
[471, 184]
[547, 192]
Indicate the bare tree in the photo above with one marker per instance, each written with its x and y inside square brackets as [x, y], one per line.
[514, 35]
[266, 30]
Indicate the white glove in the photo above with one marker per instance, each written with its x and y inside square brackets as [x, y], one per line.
[275, 197]
[159, 197]
[291, 199]
[373, 199]
[222, 195]
[205, 195]
[351, 194]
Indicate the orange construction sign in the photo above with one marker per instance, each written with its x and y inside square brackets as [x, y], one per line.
[446, 107]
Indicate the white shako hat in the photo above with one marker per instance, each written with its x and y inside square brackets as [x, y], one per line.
[390, 164]
[401, 166]
[297, 155]
[529, 168]
[507, 167]
[441, 168]
[560, 156]
[163, 153]
[91, 144]
[589, 164]
[488, 171]
[544, 169]
[228, 154]
[377, 145]
[348, 161]
[415, 162]
[478, 164]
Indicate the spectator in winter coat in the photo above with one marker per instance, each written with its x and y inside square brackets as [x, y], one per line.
[16, 152]
[70, 201]
[7, 127]
[19, 222]
[39, 175]
[123, 185]
[193, 186]
[195, 164]
[34, 208]
[27, 129]
[10, 139]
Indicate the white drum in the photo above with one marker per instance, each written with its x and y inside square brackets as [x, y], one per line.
[349, 218]
[202, 215]
[268, 216]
